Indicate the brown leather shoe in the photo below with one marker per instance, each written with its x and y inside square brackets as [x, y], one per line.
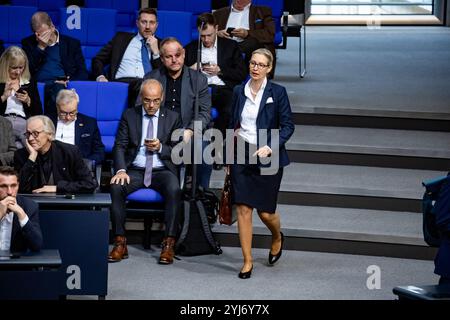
[167, 252]
[120, 250]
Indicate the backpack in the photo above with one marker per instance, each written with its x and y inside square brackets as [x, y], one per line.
[196, 237]
[431, 232]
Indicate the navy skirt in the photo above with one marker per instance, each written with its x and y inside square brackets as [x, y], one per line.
[250, 187]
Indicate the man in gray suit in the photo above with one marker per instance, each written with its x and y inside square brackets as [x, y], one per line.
[179, 83]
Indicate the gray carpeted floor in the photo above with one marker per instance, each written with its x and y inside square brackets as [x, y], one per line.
[298, 275]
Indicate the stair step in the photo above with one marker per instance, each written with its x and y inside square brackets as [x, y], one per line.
[344, 224]
[349, 180]
[371, 141]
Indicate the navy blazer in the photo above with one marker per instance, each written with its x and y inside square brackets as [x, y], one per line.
[30, 236]
[271, 115]
[87, 138]
[70, 52]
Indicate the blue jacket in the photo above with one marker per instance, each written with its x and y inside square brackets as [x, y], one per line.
[271, 115]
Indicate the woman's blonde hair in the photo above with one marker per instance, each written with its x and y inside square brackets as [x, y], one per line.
[13, 55]
[265, 52]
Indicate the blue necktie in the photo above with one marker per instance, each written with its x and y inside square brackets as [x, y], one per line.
[145, 58]
[149, 156]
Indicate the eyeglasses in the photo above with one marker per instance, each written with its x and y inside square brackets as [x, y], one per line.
[65, 114]
[35, 134]
[150, 101]
[260, 65]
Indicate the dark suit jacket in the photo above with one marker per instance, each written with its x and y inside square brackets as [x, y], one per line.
[229, 59]
[112, 55]
[7, 142]
[87, 138]
[272, 115]
[129, 134]
[70, 173]
[36, 106]
[261, 24]
[70, 52]
[30, 236]
[188, 85]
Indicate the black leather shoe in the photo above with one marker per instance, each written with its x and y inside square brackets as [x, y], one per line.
[274, 258]
[245, 275]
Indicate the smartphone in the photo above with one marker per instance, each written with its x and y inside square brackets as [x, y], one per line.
[229, 30]
[206, 64]
[63, 78]
[149, 140]
[23, 88]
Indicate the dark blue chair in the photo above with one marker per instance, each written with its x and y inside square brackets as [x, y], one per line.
[15, 23]
[175, 24]
[196, 7]
[41, 90]
[105, 101]
[50, 6]
[126, 12]
[98, 26]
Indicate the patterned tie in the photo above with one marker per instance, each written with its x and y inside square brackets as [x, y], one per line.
[145, 58]
[149, 155]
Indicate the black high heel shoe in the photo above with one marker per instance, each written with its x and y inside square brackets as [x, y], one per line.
[274, 258]
[245, 275]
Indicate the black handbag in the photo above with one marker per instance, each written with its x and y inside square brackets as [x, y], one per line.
[225, 206]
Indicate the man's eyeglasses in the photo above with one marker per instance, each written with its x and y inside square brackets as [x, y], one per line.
[35, 134]
[150, 101]
[260, 65]
[65, 114]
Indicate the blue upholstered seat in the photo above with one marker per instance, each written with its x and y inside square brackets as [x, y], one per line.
[15, 23]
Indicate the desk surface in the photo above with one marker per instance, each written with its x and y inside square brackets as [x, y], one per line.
[44, 258]
[95, 199]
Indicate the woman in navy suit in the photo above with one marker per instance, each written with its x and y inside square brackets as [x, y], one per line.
[262, 121]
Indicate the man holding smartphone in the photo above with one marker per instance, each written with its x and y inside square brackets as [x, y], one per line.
[250, 25]
[222, 64]
[142, 158]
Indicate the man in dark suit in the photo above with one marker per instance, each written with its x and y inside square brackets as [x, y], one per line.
[142, 158]
[51, 166]
[252, 27]
[76, 128]
[53, 58]
[130, 56]
[180, 83]
[19, 216]
[222, 63]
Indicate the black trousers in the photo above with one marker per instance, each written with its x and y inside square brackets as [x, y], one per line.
[221, 97]
[134, 85]
[51, 90]
[163, 181]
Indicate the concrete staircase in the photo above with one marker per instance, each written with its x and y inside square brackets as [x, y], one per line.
[354, 184]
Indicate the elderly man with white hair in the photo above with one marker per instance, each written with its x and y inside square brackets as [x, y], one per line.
[73, 127]
[48, 165]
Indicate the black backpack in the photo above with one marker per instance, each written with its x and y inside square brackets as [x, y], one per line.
[196, 237]
[430, 207]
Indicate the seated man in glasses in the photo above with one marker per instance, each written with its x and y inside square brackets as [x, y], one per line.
[47, 165]
[76, 128]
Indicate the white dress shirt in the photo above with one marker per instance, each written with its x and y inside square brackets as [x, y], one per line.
[6, 224]
[249, 114]
[239, 19]
[131, 64]
[141, 158]
[65, 132]
[14, 105]
[210, 55]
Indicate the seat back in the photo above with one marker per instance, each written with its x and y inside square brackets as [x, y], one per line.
[15, 23]
[105, 101]
[50, 6]
[126, 12]
[97, 27]
[175, 24]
